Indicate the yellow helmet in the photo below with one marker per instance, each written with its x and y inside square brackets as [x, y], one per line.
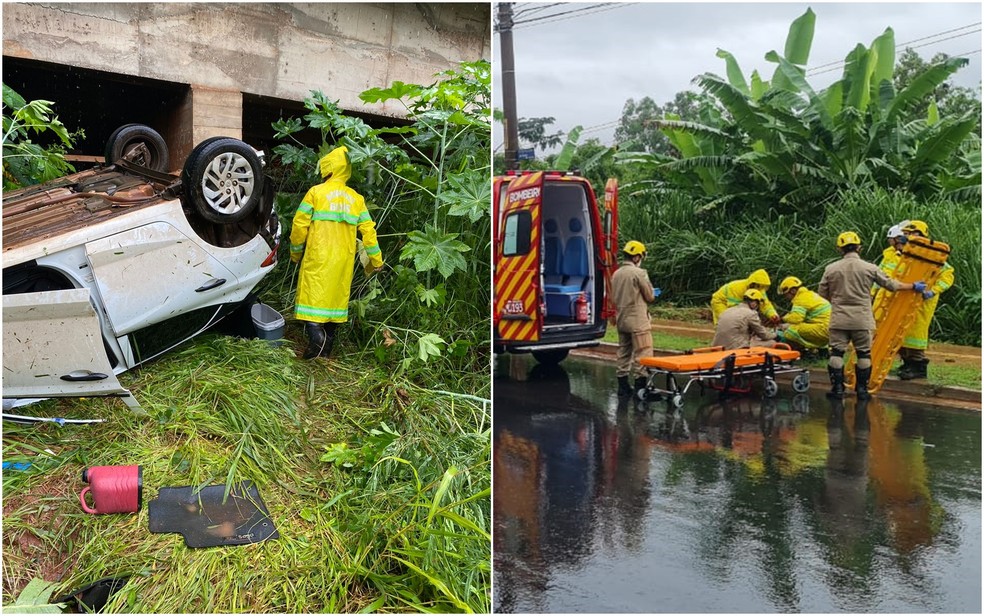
[847, 238]
[789, 282]
[761, 278]
[917, 225]
[754, 294]
[634, 247]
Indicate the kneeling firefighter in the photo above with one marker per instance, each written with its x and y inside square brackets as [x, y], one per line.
[322, 239]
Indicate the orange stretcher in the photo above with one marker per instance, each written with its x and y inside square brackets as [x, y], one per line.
[725, 370]
[922, 259]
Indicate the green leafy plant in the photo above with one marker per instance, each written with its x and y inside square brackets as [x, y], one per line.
[426, 185]
[781, 145]
[25, 162]
[35, 599]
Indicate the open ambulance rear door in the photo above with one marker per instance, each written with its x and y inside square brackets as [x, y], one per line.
[609, 256]
[518, 295]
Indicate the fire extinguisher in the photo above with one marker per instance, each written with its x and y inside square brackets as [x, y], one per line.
[581, 309]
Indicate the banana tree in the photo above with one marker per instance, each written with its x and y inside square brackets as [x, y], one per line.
[784, 145]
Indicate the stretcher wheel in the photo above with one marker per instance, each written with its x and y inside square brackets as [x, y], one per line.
[801, 383]
[642, 393]
[677, 400]
[770, 387]
[801, 404]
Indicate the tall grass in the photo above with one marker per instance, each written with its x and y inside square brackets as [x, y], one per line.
[404, 528]
[692, 253]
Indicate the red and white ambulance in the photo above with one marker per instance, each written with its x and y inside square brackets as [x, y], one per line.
[556, 249]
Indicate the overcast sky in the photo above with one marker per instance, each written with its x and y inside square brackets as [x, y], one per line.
[582, 69]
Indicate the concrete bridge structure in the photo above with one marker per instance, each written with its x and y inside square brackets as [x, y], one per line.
[197, 70]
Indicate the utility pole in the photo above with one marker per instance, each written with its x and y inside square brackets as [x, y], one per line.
[508, 83]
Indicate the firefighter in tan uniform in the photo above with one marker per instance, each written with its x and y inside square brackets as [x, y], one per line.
[632, 293]
[740, 326]
[847, 285]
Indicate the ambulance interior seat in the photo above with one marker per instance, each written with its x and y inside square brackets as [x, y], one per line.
[575, 257]
[552, 256]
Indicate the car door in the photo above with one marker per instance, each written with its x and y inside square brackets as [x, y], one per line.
[518, 297]
[53, 347]
[153, 273]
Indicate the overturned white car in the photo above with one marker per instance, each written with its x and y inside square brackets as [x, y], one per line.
[110, 267]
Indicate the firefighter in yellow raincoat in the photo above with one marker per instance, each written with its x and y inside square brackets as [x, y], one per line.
[806, 325]
[913, 351]
[733, 294]
[891, 256]
[322, 239]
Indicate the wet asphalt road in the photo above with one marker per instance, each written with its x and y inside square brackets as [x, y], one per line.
[790, 504]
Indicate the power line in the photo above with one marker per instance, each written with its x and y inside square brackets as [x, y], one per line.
[842, 64]
[536, 8]
[552, 15]
[589, 10]
[901, 45]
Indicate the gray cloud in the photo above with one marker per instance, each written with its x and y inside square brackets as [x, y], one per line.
[582, 70]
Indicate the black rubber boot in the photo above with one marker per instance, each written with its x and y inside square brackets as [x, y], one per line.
[919, 370]
[316, 339]
[623, 386]
[836, 382]
[905, 370]
[640, 383]
[329, 339]
[861, 376]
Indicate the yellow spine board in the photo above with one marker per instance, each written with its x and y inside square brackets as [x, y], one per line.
[922, 259]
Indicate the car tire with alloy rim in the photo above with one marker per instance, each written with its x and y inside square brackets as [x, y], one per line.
[223, 179]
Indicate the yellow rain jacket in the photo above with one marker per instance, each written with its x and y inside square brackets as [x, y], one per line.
[732, 294]
[918, 335]
[323, 233]
[889, 261]
[809, 320]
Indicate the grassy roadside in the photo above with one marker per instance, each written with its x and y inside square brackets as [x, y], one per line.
[378, 486]
[942, 374]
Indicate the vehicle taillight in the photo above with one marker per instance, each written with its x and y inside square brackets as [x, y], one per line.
[272, 257]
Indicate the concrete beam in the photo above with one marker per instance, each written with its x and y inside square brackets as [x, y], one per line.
[278, 50]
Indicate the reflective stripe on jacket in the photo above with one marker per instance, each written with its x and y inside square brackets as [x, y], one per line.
[918, 335]
[323, 232]
[732, 294]
[809, 319]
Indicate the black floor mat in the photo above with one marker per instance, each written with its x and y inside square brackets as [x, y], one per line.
[205, 521]
[93, 598]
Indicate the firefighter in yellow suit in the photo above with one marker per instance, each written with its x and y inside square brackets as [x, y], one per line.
[807, 324]
[890, 257]
[733, 294]
[913, 351]
[322, 239]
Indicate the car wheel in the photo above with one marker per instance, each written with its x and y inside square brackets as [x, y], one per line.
[138, 144]
[551, 357]
[223, 179]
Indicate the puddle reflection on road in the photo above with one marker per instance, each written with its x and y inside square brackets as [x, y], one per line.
[741, 505]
